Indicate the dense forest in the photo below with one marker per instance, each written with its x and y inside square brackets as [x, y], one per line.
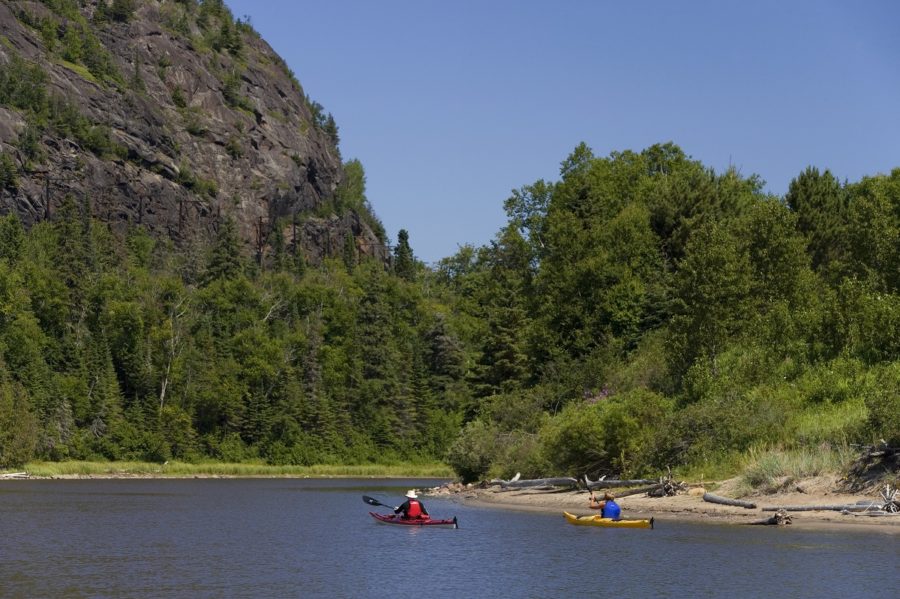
[641, 312]
[646, 312]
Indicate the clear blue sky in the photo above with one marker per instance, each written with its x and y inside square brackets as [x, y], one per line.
[449, 105]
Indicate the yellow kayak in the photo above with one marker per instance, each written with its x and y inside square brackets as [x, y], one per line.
[608, 522]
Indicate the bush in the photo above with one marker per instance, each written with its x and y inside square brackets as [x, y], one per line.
[472, 453]
[572, 442]
[721, 425]
[883, 403]
[8, 172]
[615, 436]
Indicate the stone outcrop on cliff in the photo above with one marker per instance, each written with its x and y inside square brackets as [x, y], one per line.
[168, 114]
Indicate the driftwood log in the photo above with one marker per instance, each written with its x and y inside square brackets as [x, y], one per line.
[536, 482]
[15, 475]
[853, 507]
[664, 486]
[725, 501]
[591, 485]
[640, 490]
[874, 513]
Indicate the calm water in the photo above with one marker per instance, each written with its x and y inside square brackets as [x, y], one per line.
[314, 538]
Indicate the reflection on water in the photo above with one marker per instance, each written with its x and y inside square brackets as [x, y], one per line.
[314, 538]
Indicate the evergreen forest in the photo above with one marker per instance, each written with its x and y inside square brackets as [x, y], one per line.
[641, 312]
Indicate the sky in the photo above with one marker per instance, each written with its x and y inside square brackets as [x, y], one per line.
[450, 105]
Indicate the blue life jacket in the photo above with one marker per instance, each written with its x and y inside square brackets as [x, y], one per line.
[611, 510]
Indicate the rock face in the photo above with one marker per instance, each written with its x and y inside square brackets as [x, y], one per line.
[200, 120]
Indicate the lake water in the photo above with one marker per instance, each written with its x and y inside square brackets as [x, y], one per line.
[314, 538]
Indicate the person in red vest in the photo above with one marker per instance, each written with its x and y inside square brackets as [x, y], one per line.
[412, 507]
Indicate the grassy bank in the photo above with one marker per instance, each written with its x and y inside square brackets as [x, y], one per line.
[183, 469]
[770, 469]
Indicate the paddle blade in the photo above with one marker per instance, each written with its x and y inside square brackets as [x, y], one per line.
[372, 501]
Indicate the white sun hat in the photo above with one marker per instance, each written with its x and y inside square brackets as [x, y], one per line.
[412, 494]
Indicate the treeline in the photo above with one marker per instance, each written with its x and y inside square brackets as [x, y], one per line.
[645, 311]
[125, 348]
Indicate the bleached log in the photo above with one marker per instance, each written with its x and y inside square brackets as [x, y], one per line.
[875, 513]
[538, 482]
[853, 507]
[613, 483]
[638, 491]
[726, 501]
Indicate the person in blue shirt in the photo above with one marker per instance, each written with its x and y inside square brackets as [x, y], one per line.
[609, 508]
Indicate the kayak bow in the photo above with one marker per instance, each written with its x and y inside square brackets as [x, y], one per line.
[394, 519]
[607, 522]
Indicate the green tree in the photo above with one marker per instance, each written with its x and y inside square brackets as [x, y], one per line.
[819, 201]
[710, 297]
[404, 261]
[225, 261]
[873, 230]
[18, 425]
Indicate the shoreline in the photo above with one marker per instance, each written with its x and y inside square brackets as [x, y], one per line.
[127, 476]
[684, 507]
[175, 469]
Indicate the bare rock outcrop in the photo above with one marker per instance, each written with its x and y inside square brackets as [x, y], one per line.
[191, 117]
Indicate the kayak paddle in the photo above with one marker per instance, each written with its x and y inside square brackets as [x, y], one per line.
[373, 501]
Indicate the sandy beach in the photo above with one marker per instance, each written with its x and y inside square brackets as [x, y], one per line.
[690, 505]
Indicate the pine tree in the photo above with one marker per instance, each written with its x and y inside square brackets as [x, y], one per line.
[404, 261]
[225, 260]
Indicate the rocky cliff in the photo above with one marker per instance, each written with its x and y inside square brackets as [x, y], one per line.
[172, 115]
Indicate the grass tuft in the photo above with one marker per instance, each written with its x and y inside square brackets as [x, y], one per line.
[771, 470]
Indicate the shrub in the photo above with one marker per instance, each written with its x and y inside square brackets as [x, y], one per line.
[883, 403]
[8, 172]
[472, 453]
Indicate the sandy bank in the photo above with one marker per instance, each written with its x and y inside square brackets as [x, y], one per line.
[690, 506]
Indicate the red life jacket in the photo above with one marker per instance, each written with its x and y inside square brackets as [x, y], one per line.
[415, 509]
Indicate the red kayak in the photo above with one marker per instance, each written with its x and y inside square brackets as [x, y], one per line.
[394, 519]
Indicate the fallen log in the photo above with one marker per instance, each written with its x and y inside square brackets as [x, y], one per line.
[725, 501]
[537, 482]
[874, 513]
[614, 483]
[853, 507]
[638, 491]
[15, 475]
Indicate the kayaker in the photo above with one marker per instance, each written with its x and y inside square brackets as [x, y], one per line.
[609, 508]
[412, 507]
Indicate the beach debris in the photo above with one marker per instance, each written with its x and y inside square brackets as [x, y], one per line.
[667, 486]
[726, 501]
[891, 499]
[664, 486]
[889, 504]
[15, 475]
[853, 507]
[779, 518]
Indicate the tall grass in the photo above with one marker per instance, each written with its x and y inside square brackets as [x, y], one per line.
[714, 467]
[183, 469]
[770, 470]
[843, 422]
